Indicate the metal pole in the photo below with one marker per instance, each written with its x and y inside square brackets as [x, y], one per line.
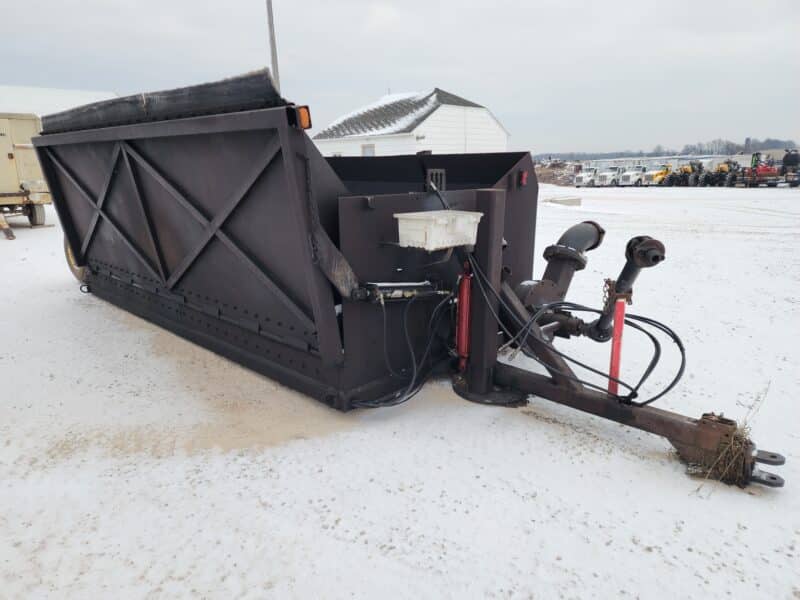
[273, 48]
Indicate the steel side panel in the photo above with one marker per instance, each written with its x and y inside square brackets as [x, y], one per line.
[403, 174]
[520, 220]
[64, 217]
[483, 326]
[320, 292]
[368, 232]
[228, 276]
[292, 367]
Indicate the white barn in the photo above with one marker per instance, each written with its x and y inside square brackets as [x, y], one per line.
[436, 121]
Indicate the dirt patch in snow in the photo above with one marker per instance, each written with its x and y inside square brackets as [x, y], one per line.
[599, 437]
[231, 431]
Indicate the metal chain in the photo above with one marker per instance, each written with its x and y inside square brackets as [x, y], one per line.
[608, 292]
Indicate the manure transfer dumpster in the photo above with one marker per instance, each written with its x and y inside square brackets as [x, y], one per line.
[209, 211]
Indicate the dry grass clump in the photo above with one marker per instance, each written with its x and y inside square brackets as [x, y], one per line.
[728, 463]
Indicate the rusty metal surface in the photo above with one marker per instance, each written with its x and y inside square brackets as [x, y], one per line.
[701, 443]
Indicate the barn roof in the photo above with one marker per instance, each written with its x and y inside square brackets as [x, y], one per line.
[395, 113]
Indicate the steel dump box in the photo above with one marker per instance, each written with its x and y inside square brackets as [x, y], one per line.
[210, 212]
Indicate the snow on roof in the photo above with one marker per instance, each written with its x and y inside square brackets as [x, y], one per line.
[44, 101]
[394, 113]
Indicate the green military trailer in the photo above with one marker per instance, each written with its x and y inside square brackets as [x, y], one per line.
[23, 191]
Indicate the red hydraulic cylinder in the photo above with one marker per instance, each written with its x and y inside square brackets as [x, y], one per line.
[616, 344]
[462, 320]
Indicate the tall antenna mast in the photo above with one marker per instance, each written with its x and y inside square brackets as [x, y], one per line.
[273, 48]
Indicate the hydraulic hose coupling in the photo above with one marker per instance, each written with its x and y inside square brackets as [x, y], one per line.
[641, 252]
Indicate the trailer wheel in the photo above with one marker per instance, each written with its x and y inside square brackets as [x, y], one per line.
[78, 272]
[36, 215]
[772, 184]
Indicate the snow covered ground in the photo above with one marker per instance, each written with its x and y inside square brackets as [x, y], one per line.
[135, 464]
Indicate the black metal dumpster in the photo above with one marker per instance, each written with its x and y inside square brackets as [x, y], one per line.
[210, 212]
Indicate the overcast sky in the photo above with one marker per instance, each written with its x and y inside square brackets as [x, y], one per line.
[560, 75]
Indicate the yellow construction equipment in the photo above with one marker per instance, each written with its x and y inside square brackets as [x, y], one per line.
[657, 175]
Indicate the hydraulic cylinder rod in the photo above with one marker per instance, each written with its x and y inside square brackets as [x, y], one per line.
[463, 320]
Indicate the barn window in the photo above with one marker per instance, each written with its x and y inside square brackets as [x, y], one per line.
[368, 150]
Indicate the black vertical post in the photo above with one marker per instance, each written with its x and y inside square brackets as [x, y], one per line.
[483, 325]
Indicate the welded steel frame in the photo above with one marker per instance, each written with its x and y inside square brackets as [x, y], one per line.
[279, 357]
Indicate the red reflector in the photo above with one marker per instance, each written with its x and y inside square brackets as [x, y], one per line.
[523, 178]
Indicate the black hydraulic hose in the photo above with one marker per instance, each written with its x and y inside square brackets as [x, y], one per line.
[433, 323]
[395, 398]
[581, 235]
[533, 356]
[552, 348]
[664, 329]
[681, 348]
[409, 343]
[386, 341]
[526, 326]
[442, 199]
[656, 345]
[523, 343]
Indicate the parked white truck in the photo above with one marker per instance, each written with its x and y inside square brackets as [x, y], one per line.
[633, 176]
[610, 177]
[586, 178]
